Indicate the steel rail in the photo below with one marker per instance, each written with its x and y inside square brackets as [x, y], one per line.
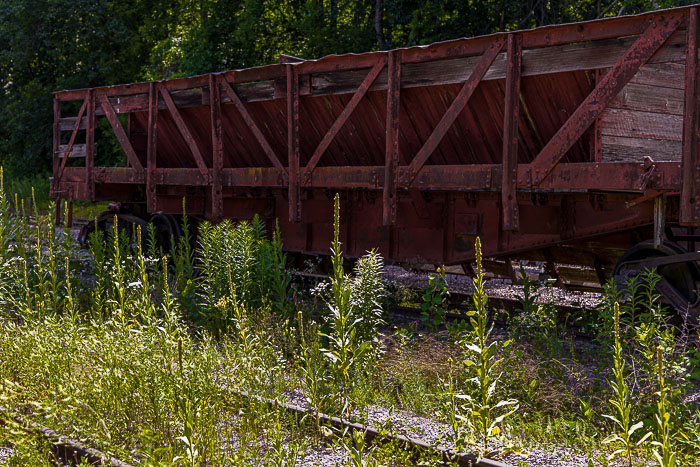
[373, 435]
[65, 449]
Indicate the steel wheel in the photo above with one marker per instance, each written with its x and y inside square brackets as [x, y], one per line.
[683, 277]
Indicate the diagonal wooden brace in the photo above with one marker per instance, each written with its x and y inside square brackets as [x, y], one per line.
[69, 148]
[343, 117]
[605, 91]
[455, 109]
[236, 101]
[119, 132]
[185, 132]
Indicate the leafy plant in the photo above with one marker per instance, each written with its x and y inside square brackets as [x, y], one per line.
[665, 455]
[435, 299]
[622, 405]
[481, 416]
[346, 349]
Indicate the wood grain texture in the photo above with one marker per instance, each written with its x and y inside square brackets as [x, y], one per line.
[638, 124]
[621, 149]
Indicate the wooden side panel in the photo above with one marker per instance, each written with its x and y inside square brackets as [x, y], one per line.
[646, 118]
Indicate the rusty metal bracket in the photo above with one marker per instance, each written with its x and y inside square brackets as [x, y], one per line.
[655, 35]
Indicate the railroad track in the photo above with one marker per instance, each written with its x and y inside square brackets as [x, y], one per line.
[460, 301]
[372, 435]
[65, 450]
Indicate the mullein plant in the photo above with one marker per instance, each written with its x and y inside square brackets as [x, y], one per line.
[621, 403]
[665, 455]
[484, 414]
[345, 350]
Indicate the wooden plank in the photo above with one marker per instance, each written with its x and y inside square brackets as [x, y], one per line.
[648, 98]
[78, 151]
[643, 48]
[570, 57]
[622, 149]
[668, 75]
[68, 123]
[547, 60]
[638, 124]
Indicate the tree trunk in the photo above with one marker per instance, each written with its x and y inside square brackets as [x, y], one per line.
[378, 13]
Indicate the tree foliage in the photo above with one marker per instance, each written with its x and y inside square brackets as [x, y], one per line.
[48, 45]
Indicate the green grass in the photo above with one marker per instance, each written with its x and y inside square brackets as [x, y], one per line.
[143, 355]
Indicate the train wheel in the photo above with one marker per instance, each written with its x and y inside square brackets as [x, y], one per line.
[166, 229]
[679, 284]
[105, 223]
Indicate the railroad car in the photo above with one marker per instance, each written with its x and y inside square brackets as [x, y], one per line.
[573, 144]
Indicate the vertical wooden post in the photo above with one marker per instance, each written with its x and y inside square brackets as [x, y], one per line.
[391, 154]
[56, 134]
[56, 160]
[659, 220]
[217, 199]
[151, 149]
[293, 143]
[596, 133]
[509, 199]
[90, 146]
[690, 165]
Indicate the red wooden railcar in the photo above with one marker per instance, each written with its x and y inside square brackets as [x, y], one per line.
[571, 144]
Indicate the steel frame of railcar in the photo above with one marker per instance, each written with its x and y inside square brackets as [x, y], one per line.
[423, 212]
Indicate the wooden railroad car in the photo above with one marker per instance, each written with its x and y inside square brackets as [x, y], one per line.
[573, 144]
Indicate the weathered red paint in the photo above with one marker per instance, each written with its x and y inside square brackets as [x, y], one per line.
[480, 121]
[455, 109]
[343, 117]
[612, 83]
[690, 193]
[509, 175]
[151, 147]
[294, 192]
[217, 199]
[391, 151]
